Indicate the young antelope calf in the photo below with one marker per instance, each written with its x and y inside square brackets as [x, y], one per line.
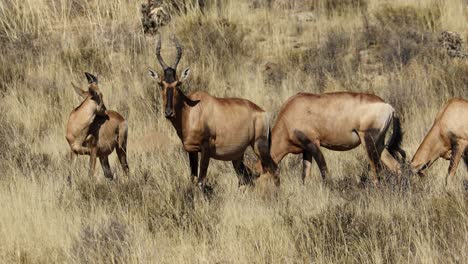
[95, 131]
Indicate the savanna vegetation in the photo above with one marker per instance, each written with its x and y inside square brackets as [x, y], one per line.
[262, 50]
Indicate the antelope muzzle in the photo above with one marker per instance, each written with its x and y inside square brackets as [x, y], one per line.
[169, 109]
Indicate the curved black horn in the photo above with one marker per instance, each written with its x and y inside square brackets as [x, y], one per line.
[179, 52]
[158, 53]
[91, 78]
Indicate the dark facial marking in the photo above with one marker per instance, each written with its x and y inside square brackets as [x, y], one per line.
[169, 75]
[169, 101]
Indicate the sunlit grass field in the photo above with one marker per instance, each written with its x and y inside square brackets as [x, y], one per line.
[262, 50]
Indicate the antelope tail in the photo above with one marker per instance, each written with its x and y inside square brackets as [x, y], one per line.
[123, 134]
[394, 142]
[267, 155]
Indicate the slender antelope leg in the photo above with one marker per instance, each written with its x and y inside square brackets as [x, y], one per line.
[314, 149]
[204, 162]
[243, 173]
[457, 153]
[306, 165]
[92, 161]
[262, 150]
[370, 143]
[79, 149]
[193, 159]
[391, 163]
[106, 167]
[72, 158]
[122, 154]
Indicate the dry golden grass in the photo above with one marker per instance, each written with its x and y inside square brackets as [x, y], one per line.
[156, 216]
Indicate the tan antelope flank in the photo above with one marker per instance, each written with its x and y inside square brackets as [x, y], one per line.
[447, 138]
[95, 131]
[219, 128]
[337, 121]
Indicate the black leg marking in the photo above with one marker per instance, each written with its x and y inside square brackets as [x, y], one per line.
[309, 146]
[244, 174]
[193, 159]
[465, 158]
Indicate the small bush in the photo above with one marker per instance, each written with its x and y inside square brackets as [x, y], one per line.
[404, 17]
[325, 60]
[400, 34]
[88, 55]
[217, 40]
[343, 6]
[105, 243]
[452, 79]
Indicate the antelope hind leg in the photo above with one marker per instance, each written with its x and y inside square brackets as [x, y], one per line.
[306, 165]
[122, 154]
[106, 167]
[373, 146]
[244, 174]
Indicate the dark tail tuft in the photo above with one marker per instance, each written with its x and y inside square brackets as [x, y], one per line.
[394, 143]
[265, 155]
[465, 158]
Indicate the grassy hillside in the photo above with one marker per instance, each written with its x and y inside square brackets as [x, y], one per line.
[262, 50]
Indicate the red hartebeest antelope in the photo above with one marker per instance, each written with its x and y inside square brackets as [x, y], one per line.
[95, 131]
[447, 138]
[219, 128]
[337, 121]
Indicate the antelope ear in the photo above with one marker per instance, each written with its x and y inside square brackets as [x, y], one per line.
[91, 78]
[185, 74]
[153, 74]
[80, 92]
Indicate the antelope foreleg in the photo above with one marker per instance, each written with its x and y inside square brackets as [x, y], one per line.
[92, 162]
[391, 163]
[204, 163]
[79, 149]
[122, 154]
[106, 167]
[193, 159]
[457, 153]
[313, 147]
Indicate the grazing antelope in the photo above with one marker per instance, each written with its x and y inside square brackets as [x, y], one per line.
[219, 128]
[337, 121]
[447, 138]
[95, 131]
